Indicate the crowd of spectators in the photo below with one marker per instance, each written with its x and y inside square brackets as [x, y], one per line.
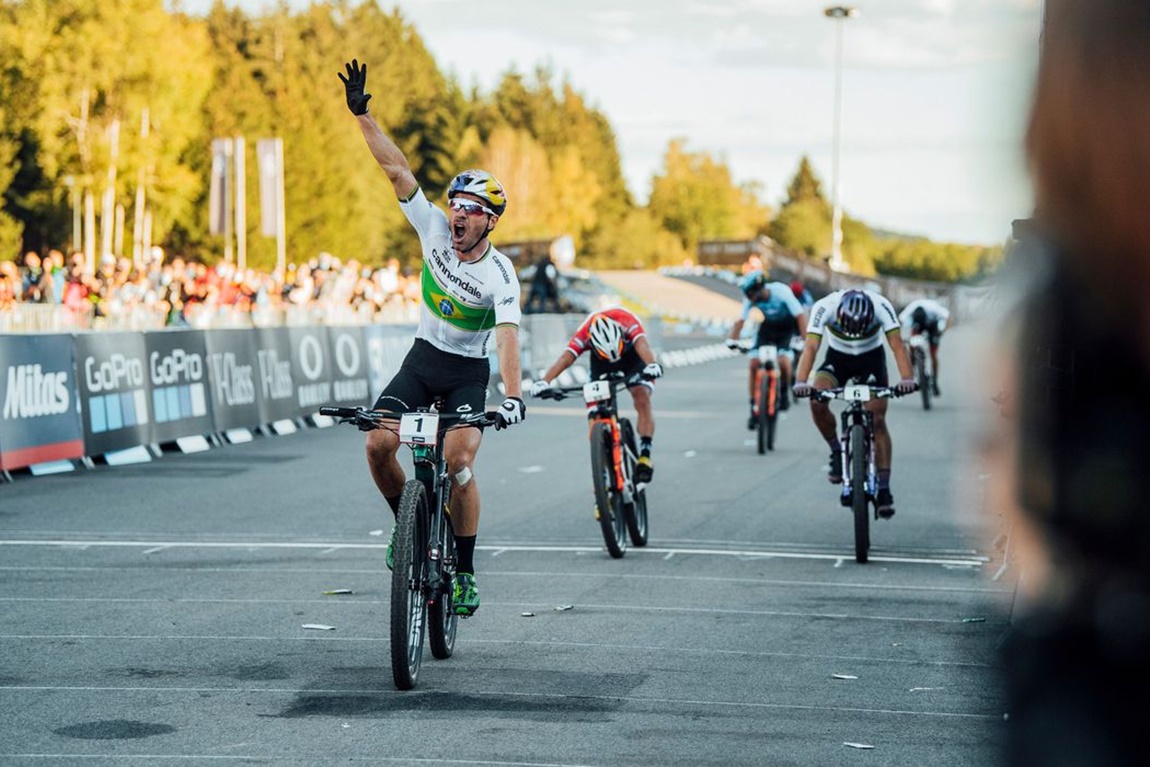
[176, 292]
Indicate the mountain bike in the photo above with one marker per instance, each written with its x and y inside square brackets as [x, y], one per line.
[770, 391]
[620, 502]
[920, 363]
[423, 576]
[860, 478]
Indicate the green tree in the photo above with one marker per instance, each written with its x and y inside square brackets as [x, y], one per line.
[696, 199]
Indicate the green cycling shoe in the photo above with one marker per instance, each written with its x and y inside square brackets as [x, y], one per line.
[466, 595]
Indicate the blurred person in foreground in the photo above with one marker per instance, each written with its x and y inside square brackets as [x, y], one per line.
[1078, 653]
[471, 297]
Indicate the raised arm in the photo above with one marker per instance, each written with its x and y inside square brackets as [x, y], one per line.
[383, 149]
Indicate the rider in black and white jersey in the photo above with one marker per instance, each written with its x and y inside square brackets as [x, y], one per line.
[470, 293]
[853, 323]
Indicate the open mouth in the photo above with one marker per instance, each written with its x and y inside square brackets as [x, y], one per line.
[458, 230]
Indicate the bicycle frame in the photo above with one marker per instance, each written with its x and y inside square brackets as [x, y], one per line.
[602, 398]
[855, 413]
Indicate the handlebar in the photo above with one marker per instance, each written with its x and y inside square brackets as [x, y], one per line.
[615, 378]
[841, 393]
[369, 420]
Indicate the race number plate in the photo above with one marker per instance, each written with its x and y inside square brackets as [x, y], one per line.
[418, 428]
[596, 391]
[768, 355]
[856, 393]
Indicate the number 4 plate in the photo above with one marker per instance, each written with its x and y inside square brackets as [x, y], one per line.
[856, 393]
[418, 428]
[596, 391]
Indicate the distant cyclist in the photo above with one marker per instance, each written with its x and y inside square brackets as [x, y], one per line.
[854, 323]
[470, 298]
[618, 342]
[783, 318]
[928, 318]
[803, 294]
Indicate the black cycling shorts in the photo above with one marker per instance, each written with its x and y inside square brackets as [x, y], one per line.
[867, 368]
[778, 334]
[428, 374]
[630, 364]
[930, 330]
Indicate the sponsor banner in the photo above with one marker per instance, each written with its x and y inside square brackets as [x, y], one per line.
[112, 374]
[349, 370]
[178, 374]
[40, 419]
[386, 346]
[233, 379]
[311, 368]
[274, 382]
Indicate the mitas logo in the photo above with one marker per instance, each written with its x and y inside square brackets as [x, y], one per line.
[32, 392]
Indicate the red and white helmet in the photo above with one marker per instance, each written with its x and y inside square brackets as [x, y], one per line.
[607, 338]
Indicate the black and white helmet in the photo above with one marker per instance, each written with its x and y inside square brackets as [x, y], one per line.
[607, 338]
[855, 314]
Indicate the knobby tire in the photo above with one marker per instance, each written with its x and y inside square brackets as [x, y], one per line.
[636, 512]
[442, 622]
[921, 377]
[761, 394]
[408, 581]
[860, 507]
[608, 502]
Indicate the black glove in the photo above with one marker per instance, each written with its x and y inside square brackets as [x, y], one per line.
[354, 84]
[512, 411]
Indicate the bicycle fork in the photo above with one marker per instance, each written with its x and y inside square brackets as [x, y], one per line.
[438, 488]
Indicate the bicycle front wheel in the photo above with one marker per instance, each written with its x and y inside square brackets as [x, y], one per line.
[921, 377]
[772, 408]
[636, 511]
[608, 501]
[442, 621]
[762, 393]
[408, 586]
[859, 504]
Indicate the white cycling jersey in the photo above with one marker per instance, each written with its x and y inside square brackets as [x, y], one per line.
[462, 301]
[935, 312]
[824, 323]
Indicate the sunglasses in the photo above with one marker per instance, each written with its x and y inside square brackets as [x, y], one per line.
[470, 207]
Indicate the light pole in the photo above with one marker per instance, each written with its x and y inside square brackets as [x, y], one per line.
[839, 13]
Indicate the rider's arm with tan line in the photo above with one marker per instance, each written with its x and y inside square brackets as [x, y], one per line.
[510, 367]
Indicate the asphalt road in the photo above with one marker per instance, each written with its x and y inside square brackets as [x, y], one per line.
[155, 612]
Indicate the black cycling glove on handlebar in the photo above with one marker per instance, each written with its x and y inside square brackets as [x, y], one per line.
[353, 85]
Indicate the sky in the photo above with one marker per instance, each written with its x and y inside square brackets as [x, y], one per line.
[934, 92]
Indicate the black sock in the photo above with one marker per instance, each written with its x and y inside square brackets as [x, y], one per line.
[644, 447]
[883, 479]
[465, 548]
[393, 502]
[836, 446]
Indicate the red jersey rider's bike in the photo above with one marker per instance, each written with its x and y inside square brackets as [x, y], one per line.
[770, 388]
[860, 478]
[620, 502]
[423, 578]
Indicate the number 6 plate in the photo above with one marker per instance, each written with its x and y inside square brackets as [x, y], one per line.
[856, 393]
[418, 428]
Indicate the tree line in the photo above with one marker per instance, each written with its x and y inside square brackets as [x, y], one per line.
[108, 109]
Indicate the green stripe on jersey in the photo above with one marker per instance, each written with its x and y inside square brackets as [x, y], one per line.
[450, 310]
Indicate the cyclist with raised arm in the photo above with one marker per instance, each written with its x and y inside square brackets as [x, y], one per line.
[783, 318]
[617, 342]
[853, 323]
[925, 317]
[470, 293]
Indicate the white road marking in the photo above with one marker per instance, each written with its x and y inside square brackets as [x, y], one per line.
[533, 548]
